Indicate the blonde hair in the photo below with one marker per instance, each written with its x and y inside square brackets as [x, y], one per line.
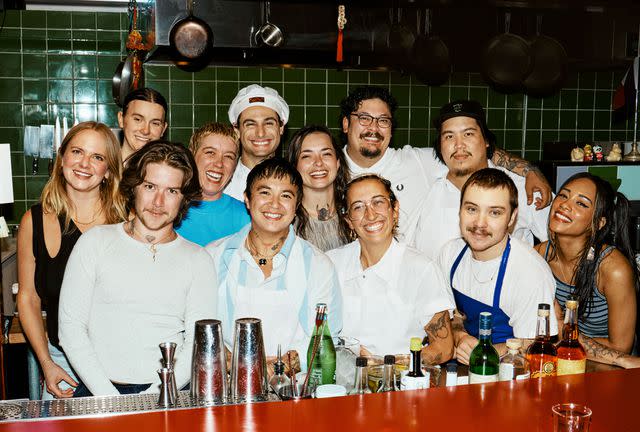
[212, 128]
[54, 195]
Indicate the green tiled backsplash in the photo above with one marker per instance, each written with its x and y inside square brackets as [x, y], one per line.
[61, 64]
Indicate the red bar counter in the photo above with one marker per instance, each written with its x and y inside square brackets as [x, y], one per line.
[613, 396]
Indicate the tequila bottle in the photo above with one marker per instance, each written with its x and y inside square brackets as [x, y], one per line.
[572, 358]
[484, 361]
[542, 354]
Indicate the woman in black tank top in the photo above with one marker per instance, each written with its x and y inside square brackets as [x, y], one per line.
[590, 254]
[82, 192]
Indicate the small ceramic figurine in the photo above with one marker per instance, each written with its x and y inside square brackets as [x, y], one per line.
[588, 153]
[615, 154]
[577, 154]
[597, 151]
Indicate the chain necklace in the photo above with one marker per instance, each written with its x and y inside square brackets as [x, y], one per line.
[477, 278]
[255, 253]
[95, 216]
[150, 239]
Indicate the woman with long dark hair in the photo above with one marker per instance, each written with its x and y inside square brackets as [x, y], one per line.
[591, 258]
[82, 192]
[321, 163]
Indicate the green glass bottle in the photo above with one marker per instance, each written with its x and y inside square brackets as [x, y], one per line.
[484, 362]
[323, 369]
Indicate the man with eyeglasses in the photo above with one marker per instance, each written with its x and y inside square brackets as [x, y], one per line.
[367, 126]
[259, 114]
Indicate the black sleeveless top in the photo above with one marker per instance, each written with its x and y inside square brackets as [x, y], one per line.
[50, 271]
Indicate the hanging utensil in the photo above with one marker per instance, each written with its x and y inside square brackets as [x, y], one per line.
[31, 145]
[549, 65]
[432, 63]
[122, 82]
[191, 38]
[507, 60]
[401, 40]
[268, 34]
[342, 21]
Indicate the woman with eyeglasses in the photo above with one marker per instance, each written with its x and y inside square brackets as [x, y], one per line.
[391, 292]
[321, 163]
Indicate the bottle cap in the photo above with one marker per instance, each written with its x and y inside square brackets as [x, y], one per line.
[361, 362]
[389, 359]
[572, 304]
[544, 306]
[514, 344]
[416, 344]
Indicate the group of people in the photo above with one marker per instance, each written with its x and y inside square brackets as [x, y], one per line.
[134, 242]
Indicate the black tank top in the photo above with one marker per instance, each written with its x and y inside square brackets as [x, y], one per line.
[50, 271]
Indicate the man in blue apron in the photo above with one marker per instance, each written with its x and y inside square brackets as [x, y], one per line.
[490, 271]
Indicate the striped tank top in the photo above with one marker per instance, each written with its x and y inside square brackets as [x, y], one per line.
[596, 322]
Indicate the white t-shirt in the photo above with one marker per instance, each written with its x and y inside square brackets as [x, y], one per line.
[238, 182]
[411, 172]
[390, 302]
[528, 281]
[439, 220]
[302, 276]
[117, 304]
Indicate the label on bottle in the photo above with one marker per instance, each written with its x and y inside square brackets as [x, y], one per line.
[506, 372]
[568, 367]
[414, 383]
[523, 376]
[479, 379]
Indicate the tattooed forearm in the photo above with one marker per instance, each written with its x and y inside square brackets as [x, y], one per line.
[599, 352]
[438, 329]
[440, 348]
[513, 163]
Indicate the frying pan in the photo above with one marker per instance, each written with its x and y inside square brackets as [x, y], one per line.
[507, 61]
[549, 65]
[191, 38]
[269, 34]
[432, 63]
[123, 80]
[400, 41]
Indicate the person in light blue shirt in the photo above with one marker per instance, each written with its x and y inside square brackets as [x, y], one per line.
[268, 272]
[215, 148]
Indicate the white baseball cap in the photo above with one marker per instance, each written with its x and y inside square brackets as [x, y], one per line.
[255, 95]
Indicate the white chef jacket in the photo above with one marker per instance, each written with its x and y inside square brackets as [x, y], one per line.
[238, 182]
[390, 302]
[411, 171]
[439, 220]
[528, 281]
[302, 276]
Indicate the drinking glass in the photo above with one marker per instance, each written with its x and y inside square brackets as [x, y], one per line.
[571, 417]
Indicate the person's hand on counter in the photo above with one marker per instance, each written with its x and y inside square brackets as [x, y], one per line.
[466, 344]
[54, 375]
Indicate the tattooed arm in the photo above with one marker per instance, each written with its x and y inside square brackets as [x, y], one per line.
[440, 348]
[603, 354]
[535, 180]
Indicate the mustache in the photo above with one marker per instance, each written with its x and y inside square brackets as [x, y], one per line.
[465, 153]
[371, 135]
[480, 231]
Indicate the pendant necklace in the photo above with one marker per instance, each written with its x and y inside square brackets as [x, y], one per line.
[150, 239]
[477, 276]
[253, 250]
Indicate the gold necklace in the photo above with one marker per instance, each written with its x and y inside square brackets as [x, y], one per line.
[95, 216]
[150, 239]
[255, 253]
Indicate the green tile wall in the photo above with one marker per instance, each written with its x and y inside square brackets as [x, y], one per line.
[61, 63]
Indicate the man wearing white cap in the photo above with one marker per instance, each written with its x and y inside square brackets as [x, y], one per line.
[259, 114]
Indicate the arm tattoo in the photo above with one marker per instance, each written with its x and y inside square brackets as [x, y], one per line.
[599, 352]
[438, 333]
[438, 329]
[512, 163]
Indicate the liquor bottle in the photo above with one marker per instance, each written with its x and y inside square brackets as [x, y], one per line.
[361, 382]
[388, 375]
[415, 378]
[484, 362]
[572, 358]
[279, 379]
[513, 366]
[323, 369]
[542, 354]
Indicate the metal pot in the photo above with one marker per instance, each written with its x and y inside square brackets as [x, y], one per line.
[507, 61]
[401, 40]
[432, 63]
[191, 38]
[549, 65]
[268, 34]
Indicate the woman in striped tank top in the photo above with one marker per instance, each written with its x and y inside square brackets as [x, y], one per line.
[591, 258]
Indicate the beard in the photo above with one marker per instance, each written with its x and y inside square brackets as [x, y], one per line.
[374, 152]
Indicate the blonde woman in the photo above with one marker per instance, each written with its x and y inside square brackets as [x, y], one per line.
[82, 192]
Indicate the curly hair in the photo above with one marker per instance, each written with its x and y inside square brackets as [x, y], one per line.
[339, 184]
[355, 98]
[54, 196]
[172, 154]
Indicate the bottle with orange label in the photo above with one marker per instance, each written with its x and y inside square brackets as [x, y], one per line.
[542, 354]
[572, 358]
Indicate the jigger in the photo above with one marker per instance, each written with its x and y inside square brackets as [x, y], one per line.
[167, 398]
[208, 364]
[168, 351]
[248, 364]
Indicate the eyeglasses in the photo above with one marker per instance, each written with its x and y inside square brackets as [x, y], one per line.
[378, 204]
[366, 120]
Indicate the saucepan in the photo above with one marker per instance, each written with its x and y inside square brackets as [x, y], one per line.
[268, 34]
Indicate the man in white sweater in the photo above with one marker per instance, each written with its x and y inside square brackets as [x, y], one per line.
[131, 286]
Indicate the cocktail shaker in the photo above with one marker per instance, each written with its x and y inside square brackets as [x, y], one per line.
[208, 365]
[248, 365]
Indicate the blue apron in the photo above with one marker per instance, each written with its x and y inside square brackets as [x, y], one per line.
[501, 330]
